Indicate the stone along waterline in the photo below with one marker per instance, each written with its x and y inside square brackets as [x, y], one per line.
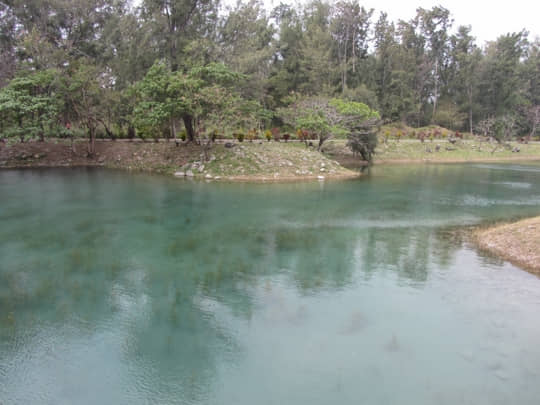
[121, 288]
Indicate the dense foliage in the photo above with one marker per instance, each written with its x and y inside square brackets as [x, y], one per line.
[164, 67]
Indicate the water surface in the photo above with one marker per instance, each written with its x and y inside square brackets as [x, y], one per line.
[135, 289]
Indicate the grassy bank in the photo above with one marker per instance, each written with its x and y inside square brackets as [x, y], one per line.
[269, 161]
[518, 242]
[257, 161]
[254, 161]
[409, 150]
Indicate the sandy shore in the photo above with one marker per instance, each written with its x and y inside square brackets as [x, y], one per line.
[518, 242]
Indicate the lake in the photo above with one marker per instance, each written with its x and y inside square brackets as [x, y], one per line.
[120, 288]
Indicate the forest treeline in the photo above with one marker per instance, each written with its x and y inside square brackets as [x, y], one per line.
[182, 66]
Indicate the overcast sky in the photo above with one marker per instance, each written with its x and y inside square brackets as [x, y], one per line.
[488, 19]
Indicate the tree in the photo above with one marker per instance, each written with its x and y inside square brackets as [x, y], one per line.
[350, 28]
[314, 114]
[29, 105]
[155, 106]
[385, 55]
[361, 124]
[315, 59]
[286, 75]
[328, 117]
[82, 90]
[500, 129]
[413, 75]
[175, 23]
[465, 62]
[500, 87]
[434, 25]
[533, 117]
[163, 97]
[247, 46]
[8, 35]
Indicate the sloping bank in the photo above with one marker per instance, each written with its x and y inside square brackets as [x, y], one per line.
[257, 161]
[518, 242]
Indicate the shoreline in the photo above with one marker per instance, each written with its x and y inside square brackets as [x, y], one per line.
[473, 160]
[243, 162]
[516, 242]
[236, 179]
[246, 162]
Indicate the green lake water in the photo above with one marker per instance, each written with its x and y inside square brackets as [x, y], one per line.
[119, 288]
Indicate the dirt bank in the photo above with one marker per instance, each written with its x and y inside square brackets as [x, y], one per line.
[258, 161]
[518, 242]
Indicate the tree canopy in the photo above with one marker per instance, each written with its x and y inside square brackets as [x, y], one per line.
[108, 67]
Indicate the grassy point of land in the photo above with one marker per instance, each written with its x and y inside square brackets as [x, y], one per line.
[518, 242]
[270, 161]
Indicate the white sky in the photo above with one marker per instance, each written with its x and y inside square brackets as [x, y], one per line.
[488, 19]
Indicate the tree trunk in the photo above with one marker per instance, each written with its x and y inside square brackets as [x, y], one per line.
[354, 51]
[436, 90]
[469, 91]
[173, 131]
[188, 123]
[110, 134]
[533, 131]
[470, 121]
[91, 141]
[21, 133]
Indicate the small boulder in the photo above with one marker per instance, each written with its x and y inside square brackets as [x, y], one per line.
[189, 173]
[180, 174]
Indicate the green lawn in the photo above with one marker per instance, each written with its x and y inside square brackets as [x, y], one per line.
[441, 150]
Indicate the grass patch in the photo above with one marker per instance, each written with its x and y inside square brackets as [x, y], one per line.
[440, 150]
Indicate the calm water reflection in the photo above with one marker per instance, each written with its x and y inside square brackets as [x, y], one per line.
[120, 288]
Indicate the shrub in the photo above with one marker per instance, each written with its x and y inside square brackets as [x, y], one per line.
[239, 136]
[251, 135]
[276, 134]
